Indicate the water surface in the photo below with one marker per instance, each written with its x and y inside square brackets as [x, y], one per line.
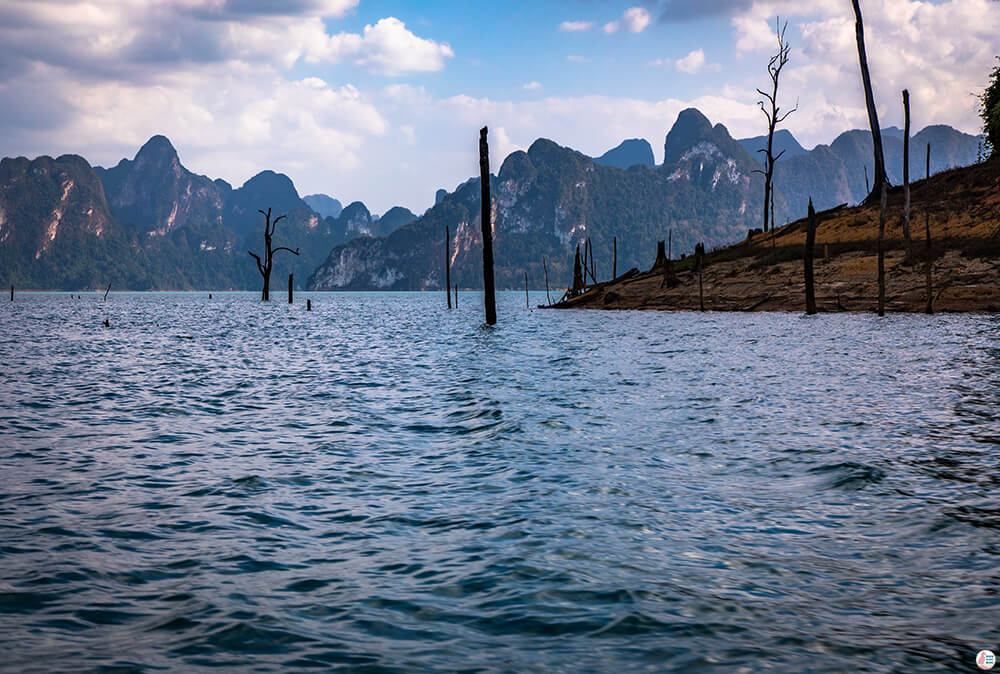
[383, 485]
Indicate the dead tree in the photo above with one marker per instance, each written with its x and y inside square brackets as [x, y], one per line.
[577, 273]
[880, 180]
[106, 292]
[928, 175]
[290, 279]
[929, 308]
[699, 264]
[456, 296]
[614, 257]
[489, 292]
[447, 263]
[12, 293]
[881, 249]
[527, 302]
[906, 172]
[808, 260]
[593, 270]
[545, 267]
[772, 112]
[265, 266]
[661, 255]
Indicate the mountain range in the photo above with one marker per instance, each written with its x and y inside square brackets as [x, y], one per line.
[149, 223]
[551, 199]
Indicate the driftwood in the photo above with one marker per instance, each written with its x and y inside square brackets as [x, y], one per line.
[489, 292]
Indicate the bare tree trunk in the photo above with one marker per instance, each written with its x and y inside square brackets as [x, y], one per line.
[867, 188]
[545, 267]
[12, 293]
[881, 249]
[527, 302]
[808, 260]
[266, 290]
[879, 179]
[586, 255]
[489, 291]
[661, 255]
[906, 173]
[699, 261]
[593, 270]
[447, 263]
[309, 305]
[614, 258]
[106, 292]
[265, 267]
[290, 279]
[456, 296]
[928, 161]
[929, 309]
[577, 272]
[670, 244]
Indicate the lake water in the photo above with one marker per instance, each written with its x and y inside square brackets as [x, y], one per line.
[383, 485]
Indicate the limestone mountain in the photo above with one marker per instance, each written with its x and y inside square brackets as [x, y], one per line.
[326, 206]
[550, 199]
[632, 152]
[784, 141]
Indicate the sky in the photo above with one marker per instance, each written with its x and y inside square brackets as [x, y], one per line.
[381, 101]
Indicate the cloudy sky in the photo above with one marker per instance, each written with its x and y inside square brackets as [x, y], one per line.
[381, 100]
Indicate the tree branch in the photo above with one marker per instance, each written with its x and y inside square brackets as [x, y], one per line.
[260, 267]
[293, 252]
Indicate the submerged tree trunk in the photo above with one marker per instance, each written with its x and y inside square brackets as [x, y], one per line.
[577, 272]
[545, 267]
[808, 260]
[906, 173]
[527, 302]
[265, 266]
[881, 249]
[489, 293]
[879, 180]
[699, 263]
[929, 309]
[290, 278]
[447, 263]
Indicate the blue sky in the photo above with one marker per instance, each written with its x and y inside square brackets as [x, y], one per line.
[380, 101]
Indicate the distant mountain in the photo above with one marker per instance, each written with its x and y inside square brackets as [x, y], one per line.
[148, 222]
[326, 206]
[784, 141]
[394, 218]
[550, 199]
[633, 152]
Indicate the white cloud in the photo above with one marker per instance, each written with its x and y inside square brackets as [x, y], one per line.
[533, 86]
[634, 20]
[692, 63]
[387, 47]
[942, 52]
[575, 26]
[576, 58]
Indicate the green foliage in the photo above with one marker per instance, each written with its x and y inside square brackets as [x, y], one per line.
[989, 110]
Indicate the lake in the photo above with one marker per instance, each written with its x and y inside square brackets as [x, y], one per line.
[383, 485]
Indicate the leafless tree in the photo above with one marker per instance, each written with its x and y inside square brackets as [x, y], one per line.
[772, 111]
[265, 267]
[880, 178]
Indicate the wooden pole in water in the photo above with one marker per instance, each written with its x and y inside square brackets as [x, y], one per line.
[309, 305]
[489, 293]
[447, 263]
[808, 260]
[906, 172]
[699, 260]
[527, 303]
[593, 274]
[546, 268]
[881, 248]
[614, 258]
[929, 309]
[290, 288]
[106, 292]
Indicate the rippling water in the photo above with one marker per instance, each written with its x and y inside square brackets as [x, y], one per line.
[384, 485]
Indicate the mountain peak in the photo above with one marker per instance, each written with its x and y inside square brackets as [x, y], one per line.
[157, 148]
[691, 126]
[631, 152]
